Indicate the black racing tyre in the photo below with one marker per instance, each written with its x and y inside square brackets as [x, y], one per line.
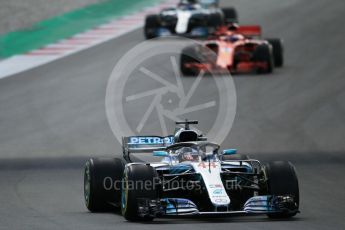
[236, 157]
[282, 180]
[151, 25]
[139, 181]
[215, 20]
[263, 53]
[189, 55]
[278, 51]
[230, 15]
[102, 183]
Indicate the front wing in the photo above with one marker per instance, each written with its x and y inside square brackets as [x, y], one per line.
[242, 67]
[183, 207]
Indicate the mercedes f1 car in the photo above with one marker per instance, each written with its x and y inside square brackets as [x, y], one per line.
[233, 48]
[193, 178]
[190, 18]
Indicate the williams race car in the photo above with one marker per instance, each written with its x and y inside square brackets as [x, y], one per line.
[190, 18]
[192, 178]
[233, 48]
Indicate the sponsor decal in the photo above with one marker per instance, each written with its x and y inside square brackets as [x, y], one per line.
[227, 49]
[221, 201]
[218, 191]
[207, 165]
[150, 140]
[219, 197]
[215, 186]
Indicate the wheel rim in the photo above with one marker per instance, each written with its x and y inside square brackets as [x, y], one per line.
[124, 195]
[87, 184]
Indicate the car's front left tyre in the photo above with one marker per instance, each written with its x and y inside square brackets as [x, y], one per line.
[282, 181]
[139, 182]
[189, 55]
[263, 54]
[278, 51]
[215, 20]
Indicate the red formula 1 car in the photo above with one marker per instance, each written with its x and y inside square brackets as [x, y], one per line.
[238, 49]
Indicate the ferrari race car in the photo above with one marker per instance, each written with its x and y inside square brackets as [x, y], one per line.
[191, 18]
[233, 48]
[192, 178]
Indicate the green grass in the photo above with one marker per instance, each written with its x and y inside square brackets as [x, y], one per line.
[66, 25]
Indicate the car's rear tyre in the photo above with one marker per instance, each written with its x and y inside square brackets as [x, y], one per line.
[189, 55]
[263, 53]
[278, 51]
[151, 25]
[281, 181]
[215, 20]
[230, 15]
[236, 157]
[102, 183]
[139, 181]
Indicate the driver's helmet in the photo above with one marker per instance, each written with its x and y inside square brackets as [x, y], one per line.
[233, 38]
[233, 27]
[187, 154]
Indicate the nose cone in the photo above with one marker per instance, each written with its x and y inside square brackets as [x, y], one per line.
[210, 173]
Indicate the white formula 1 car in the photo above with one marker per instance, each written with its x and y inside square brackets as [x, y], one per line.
[191, 18]
[192, 178]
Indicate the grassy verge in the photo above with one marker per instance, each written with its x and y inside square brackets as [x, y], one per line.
[66, 25]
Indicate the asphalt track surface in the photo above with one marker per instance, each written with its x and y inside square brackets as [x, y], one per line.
[53, 118]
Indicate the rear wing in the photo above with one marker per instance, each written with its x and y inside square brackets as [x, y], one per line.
[144, 144]
[245, 30]
[250, 30]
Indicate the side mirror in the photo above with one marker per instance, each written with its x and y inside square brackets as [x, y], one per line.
[160, 153]
[229, 151]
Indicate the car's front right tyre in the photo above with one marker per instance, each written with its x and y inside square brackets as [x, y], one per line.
[102, 183]
[151, 25]
[230, 15]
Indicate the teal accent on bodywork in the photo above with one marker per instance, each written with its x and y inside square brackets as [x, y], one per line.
[179, 169]
[123, 197]
[229, 152]
[173, 205]
[160, 153]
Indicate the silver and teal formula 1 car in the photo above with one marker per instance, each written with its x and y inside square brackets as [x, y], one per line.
[191, 18]
[191, 177]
